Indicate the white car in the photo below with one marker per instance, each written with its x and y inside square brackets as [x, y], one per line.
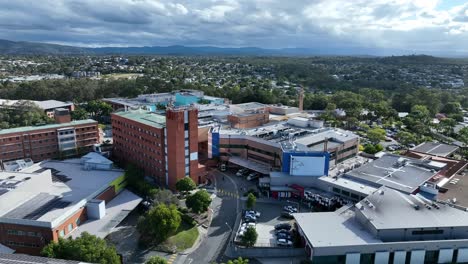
[255, 213]
[283, 242]
[252, 176]
[242, 172]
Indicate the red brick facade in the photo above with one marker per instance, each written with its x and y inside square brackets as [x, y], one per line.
[42, 143]
[107, 195]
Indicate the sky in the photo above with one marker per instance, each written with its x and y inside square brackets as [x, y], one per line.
[355, 26]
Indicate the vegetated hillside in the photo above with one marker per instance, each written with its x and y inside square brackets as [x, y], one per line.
[36, 48]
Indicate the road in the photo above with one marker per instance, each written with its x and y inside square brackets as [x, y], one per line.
[225, 207]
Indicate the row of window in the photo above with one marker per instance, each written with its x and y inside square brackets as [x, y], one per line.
[235, 146]
[136, 129]
[22, 244]
[23, 233]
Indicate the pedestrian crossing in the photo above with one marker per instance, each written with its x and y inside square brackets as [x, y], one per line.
[172, 258]
[222, 192]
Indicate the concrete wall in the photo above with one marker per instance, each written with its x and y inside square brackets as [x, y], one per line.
[268, 252]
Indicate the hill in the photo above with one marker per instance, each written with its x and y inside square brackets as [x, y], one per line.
[36, 48]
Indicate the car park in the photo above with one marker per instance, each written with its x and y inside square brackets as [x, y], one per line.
[284, 242]
[283, 226]
[284, 231]
[250, 219]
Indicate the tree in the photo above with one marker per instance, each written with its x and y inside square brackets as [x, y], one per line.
[463, 135]
[239, 260]
[159, 223]
[185, 185]
[86, 248]
[376, 134]
[199, 201]
[406, 138]
[452, 108]
[156, 260]
[250, 237]
[251, 200]
[164, 196]
[447, 125]
[79, 114]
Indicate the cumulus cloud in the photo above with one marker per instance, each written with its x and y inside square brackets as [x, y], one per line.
[410, 25]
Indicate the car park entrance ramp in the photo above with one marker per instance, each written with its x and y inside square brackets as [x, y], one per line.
[251, 165]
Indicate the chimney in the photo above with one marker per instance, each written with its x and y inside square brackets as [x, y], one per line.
[62, 115]
[301, 99]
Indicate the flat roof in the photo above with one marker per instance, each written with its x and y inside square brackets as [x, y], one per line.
[48, 126]
[397, 172]
[47, 104]
[144, 117]
[27, 259]
[333, 135]
[437, 149]
[71, 184]
[389, 207]
[249, 164]
[349, 184]
[457, 188]
[328, 229]
[250, 106]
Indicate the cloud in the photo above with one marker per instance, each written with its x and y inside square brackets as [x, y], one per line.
[369, 25]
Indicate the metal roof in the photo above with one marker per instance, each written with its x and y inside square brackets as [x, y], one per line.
[144, 117]
[26, 259]
[397, 172]
[49, 126]
[437, 149]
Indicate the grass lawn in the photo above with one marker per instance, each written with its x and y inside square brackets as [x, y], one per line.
[183, 239]
[122, 75]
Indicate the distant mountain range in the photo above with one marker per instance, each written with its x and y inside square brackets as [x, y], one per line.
[38, 48]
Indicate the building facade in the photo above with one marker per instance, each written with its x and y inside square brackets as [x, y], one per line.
[165, 147]
[48, 141]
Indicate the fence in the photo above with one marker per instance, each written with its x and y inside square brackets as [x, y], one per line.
[268, 252]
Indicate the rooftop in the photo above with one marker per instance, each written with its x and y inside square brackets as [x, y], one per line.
[49, 126]
[343, 229]
[249, 106]
[389, 207]
[397, 172]
[144, 117]
[456, 190]
[48, 104]
[26, 259]
[437, 149]
[54, 197]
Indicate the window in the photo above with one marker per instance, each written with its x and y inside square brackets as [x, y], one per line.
[77, 222]
[70, 227]
[428, 232]
[62, 233]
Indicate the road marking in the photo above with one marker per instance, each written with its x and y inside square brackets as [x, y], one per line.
[172, 258]
[189, 260]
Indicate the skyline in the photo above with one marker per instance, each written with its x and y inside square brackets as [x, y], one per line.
[434, 27]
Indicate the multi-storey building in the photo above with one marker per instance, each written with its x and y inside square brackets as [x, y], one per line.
[166, 147]
[48, 141]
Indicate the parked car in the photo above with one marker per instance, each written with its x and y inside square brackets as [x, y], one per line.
[223, 167]
[285, 226]
[283, 236]
[282, 231]
[287, 215]
[251, 212]
[252, 176]
[284, 242]
[242, 172]
[290, 208]
[250, 219]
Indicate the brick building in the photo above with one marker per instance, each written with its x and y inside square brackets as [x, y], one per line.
[54, 199]
[166, 147]
[48, 141]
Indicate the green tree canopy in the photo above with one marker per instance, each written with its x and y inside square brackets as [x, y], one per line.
[156, 260]
[159, 223]
[185, 185]
[199, 201]
[251, 200]
[86, 248]
[250, 237]
[376, 134]
[239, 260]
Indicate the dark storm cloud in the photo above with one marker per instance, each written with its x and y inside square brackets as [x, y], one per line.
[321, 24]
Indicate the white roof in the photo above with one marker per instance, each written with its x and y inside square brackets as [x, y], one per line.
[332, 229]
